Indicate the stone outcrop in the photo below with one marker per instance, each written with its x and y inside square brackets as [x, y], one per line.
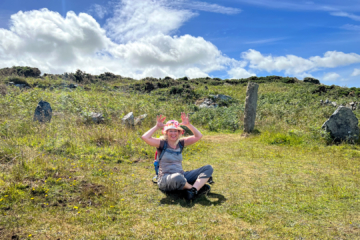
[96, 117]
[250, 107]
[212, 102]
[128, 120]
[342, 125]
[43, 112]
[139, 119]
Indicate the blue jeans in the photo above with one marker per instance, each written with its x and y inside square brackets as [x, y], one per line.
[177, 181]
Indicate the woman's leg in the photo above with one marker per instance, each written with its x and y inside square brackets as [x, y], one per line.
[199, 177]
[187, 186]
[200, 182]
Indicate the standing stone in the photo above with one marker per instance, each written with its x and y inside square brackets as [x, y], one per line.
[250, 107]
[342, 125]
[128, 120]
[43, 112]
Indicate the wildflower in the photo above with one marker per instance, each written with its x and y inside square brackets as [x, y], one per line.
[78, 212]
[32, 198]
[1, 200]
[75, 207]
[111, 206]
[30, 235]
[6, 195]
[132, 175]
[122, 199]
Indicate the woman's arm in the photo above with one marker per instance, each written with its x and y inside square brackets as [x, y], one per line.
[197, 134]
[147, 137]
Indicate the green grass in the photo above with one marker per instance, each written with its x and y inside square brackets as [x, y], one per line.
[72, 179]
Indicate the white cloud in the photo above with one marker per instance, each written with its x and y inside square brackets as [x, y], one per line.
[292, 64]
[240, 73]
[351, 27]
[136, 19]
[55, 44]
[356, 72]
[264, 41]
[99, 10]
[331, 77]
[345, 14]
[207, 7]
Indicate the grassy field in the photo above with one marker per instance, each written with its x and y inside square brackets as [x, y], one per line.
[72, 179]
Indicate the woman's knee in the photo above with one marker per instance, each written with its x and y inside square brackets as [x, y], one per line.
[209, 170]
[177, 181]
[178, 178]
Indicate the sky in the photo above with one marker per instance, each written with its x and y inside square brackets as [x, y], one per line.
[229, 39]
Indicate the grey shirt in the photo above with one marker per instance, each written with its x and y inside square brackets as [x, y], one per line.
[171, 161]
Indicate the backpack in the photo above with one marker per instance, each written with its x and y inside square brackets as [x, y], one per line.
[157, 162]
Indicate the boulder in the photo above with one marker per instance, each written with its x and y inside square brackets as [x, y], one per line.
[139, 119]
[311, 80]
[20, 85]
[43, 112]
[73, 85]
[342, 125]
[128, 120]
[96, 117]
[334, 104]
[206, 103]
[222, 97]
[250, 106]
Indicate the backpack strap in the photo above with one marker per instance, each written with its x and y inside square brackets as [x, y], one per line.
[162, 150]
[164, 147]
[181, 145]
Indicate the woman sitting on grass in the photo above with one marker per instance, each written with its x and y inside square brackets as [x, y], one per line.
[171, 174]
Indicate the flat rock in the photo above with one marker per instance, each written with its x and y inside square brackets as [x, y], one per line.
[342, 125]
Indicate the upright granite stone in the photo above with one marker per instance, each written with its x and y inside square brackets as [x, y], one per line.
[128, 120]
[43, 112]
[250, 107]
[342, 125]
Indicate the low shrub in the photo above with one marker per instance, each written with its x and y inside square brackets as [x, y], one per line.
[18, 80]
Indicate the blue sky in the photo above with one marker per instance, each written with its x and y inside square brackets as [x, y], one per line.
[227, 39]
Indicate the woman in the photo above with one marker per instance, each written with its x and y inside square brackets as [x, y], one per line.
[171, 175]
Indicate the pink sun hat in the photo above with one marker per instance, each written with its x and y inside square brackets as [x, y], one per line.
[172, 124]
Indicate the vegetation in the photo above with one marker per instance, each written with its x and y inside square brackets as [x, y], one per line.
[74, 179]
[20, 71]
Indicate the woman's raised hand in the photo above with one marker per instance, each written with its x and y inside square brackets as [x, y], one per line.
[160, 121]
[185, 119]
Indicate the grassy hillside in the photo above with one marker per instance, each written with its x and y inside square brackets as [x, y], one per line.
[73, 179]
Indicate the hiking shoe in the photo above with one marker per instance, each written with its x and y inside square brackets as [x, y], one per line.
[190, 193]
[204, 190]
[210, 181]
